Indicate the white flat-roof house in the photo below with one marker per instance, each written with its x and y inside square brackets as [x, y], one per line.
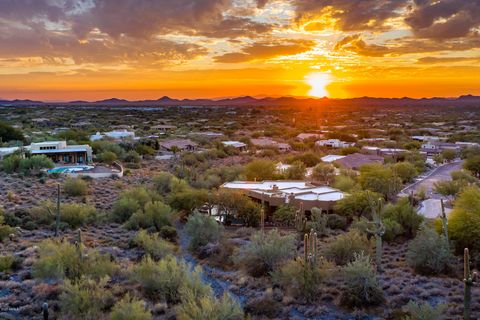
[116, 135]
[301, 194]
[334, 143]
[236, 144]
[58, 151]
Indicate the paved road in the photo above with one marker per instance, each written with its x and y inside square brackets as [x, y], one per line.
[427, 182]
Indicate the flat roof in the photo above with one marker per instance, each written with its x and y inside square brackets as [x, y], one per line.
[266, 185]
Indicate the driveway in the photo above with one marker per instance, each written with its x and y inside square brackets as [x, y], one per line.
[427, 180]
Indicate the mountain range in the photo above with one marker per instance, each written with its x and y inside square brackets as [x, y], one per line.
[465, 100]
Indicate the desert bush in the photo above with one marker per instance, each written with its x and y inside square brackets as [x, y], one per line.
[357, 204]
[429, 253]
[198, 301]
[405, 214]
[362, 287]
[154, 246]
[209, 308]
[130, 201]
[344, 248]
[168, 232]
[77, 214]
[34, 164]
[424, 311]
[285, 214]
[392, 229]
[108, 157]
[266, 252]
[301, 278]
[162, 182]
[6, 263]
[75, 187]
[59, 260]
[155, 215]
[202, 229]
[161, 278]
[5, 230]
[130, 308]
[464, 221]
[85, 299]
[335, 221]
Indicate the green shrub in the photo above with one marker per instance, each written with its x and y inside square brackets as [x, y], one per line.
[162, 278]
[130, 201]
[362, 288]
[130, 309]
[429, 253]
[424, 311]
[202, 229]
[198, 301]
[392, 229]
[59, 260]
[344, 248]
[77, 214]
[124, 208]
[11, 163]
[405, 214]
[464, 221]
[85, 299]
[162, 182]
[107, 157]
[303, 279]
[285, 214]
[154, 246]
[34, 164]
[266, 252]
[155, 215]
[168, 232]
[5, 230]
[75, 187]
[335, 221]
[6, 263]
[210, 308]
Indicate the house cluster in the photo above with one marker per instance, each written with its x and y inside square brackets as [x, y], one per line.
[58, 151]
[334, 143]
[116, 135]
[353, 161]
[270, 143]
[300, 194]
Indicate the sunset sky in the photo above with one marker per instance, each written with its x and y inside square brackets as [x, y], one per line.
[144, 49]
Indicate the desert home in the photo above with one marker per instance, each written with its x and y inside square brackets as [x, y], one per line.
[302, 195]
[58, 151]
[334, 143]
[179, 144]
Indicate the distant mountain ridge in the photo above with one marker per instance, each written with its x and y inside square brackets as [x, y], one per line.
[465, 100]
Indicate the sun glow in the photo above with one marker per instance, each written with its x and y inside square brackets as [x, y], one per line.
[318, 81]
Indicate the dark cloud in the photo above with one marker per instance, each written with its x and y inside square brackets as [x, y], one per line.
[25, 10]
[351, 15]
[355, 44]
[54, 46]
[436, 60]
[406, 45]
[265, 50]
[444, 19]
[146, 18]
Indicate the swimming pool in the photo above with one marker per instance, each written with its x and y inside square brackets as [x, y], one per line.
[70, 169]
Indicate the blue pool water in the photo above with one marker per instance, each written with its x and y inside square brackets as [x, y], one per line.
[69, 169]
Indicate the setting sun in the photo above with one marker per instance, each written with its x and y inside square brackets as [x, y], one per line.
[318, 82]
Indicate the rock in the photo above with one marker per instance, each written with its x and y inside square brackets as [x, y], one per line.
[6, 316]
[287, 300]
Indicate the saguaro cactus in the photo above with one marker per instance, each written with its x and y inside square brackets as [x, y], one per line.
[377, 229]
[444, 222]
[45, 311]
[300, 220]
[310, 247]
[469, 279]
[57, 212]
